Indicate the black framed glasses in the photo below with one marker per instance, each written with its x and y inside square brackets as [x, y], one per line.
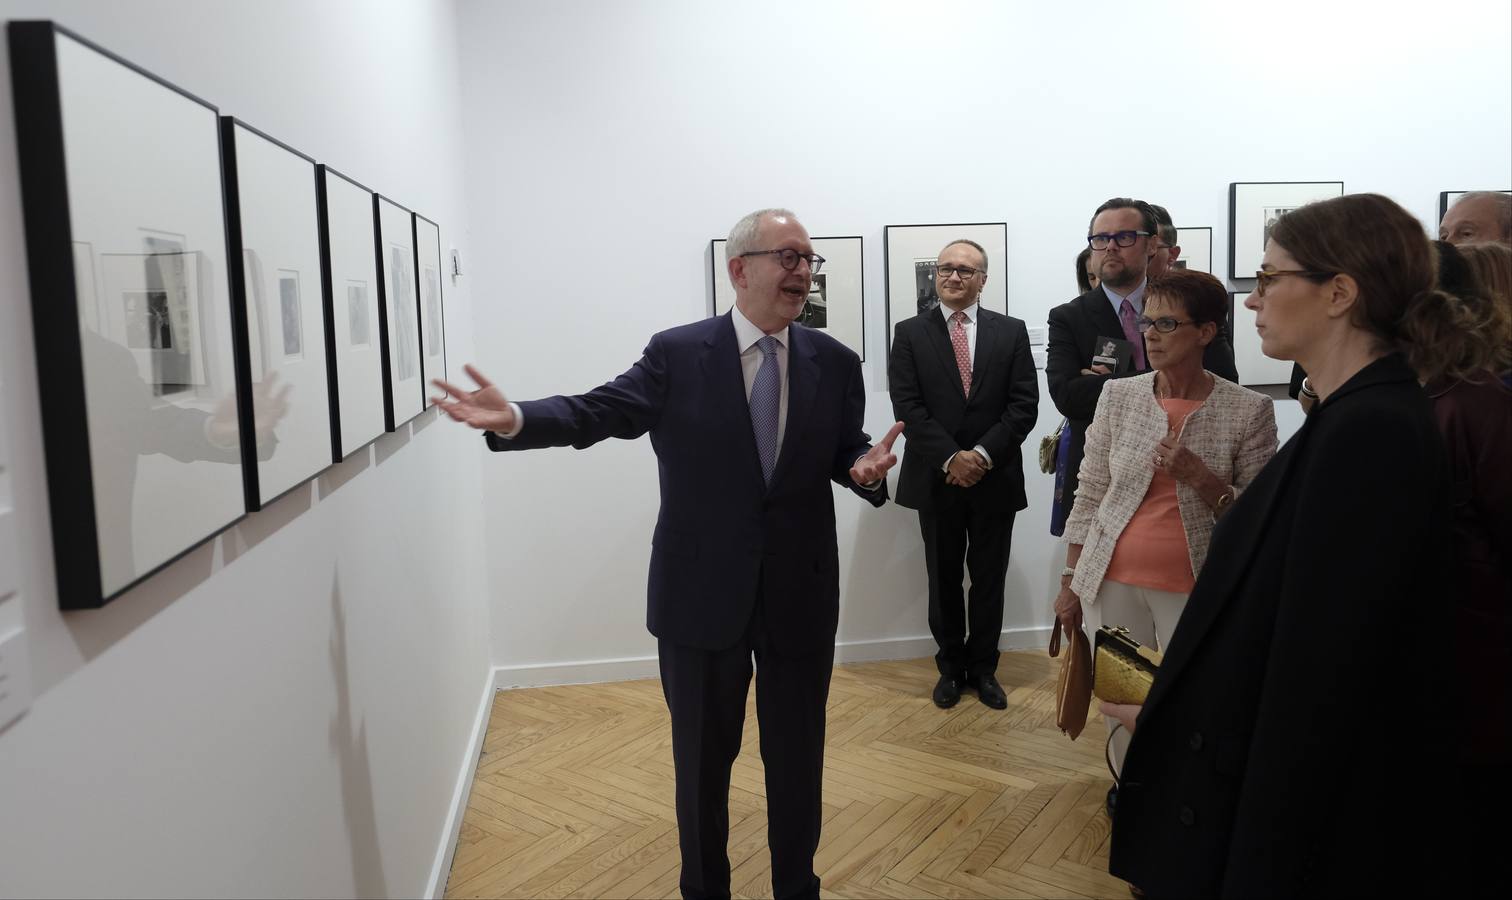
[1164, 324]
[1102, 239]
[1264, 277]
[966, 272]
[789, 258]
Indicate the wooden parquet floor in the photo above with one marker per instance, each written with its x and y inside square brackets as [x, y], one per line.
[573, 795]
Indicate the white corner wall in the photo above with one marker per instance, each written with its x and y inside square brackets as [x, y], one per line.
[608, 142]
[287, 710]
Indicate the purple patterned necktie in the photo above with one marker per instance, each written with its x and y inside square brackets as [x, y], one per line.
[1131, 332]
[766, 392]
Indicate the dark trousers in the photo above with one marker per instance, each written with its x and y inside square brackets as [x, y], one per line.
[706, 695]
[966, 628]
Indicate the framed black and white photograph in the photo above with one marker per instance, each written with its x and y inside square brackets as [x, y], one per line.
[836, 301]
[349, 280]
[127, 254]
[1254, 367]
[399, 331]
[274, 220]
[1449, 198]
[1255, 207]
[1196, 249]
[428, 288]
[909, 253]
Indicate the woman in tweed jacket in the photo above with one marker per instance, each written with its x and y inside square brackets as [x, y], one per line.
[1167, 453]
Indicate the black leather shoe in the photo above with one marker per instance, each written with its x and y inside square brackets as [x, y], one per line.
[1112, 799]
[947, 691]
[990, 692]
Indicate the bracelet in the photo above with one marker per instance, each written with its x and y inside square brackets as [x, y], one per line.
[1068, 572]
[1307, 390]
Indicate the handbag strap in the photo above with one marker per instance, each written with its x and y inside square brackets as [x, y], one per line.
[1055, 637]
[1108, 753]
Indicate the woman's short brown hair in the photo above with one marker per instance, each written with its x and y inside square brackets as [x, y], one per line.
[1464, 329]
[1203, 297]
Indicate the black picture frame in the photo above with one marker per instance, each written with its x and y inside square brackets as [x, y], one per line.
[1447, 199]
[427, 234]
[1188, 238]
[404, 394]
[840, 288]
[141, 415]
[349, 283]
[1254, 206]
[905, 248]
[272, 203]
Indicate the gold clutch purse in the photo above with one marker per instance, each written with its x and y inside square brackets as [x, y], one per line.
[1122, 670]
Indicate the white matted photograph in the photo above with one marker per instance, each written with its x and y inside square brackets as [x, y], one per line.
[357, 384]
[910, 252]
[1254, 209]
[836, 301]
[1196, 249]
[400, 319]
[1254, 367]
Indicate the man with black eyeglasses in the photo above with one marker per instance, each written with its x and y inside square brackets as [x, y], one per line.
[963, 385]
[752, 417]
[1123, 235]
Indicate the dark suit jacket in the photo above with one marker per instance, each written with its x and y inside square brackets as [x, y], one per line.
[938, 419]
[1074, 330]
[722, 533]
[1292, 742]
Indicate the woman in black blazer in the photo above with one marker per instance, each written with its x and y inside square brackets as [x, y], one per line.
[1292, 743]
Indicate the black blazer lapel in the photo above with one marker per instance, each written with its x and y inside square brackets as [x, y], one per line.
[989, 350]
[720, 364]
[803, 386]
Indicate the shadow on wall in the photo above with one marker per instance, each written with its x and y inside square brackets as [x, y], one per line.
[356, 770]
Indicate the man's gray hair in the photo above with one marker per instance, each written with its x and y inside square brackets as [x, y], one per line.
[1502, 203]
[743, 235]
[970, 243]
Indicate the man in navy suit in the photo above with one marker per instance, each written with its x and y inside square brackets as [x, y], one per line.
[751, 417]
[962, 382]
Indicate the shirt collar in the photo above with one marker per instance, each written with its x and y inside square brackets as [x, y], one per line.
[970, 311]
[747, 334]
[1135, 297]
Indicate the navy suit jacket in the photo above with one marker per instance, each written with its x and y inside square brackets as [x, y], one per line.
[723, 534]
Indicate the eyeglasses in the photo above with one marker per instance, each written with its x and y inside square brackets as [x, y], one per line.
[789, 258]
[966, 272]
[1164, 324]
[1264, 277]
[1101, 240]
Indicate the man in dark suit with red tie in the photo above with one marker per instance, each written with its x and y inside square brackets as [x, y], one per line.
[1123, 235]
[752, 417]
[963, 384]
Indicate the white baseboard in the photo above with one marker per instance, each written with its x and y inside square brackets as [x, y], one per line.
[599, 671]
[441, 870]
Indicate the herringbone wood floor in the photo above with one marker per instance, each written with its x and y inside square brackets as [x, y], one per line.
[573, 796]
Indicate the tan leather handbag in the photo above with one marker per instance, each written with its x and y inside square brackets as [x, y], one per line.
[1073, 690]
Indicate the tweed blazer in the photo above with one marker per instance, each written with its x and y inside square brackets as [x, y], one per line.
[1233, 432]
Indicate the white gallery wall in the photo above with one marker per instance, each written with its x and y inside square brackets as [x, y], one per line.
[285, 711]
[608, 142]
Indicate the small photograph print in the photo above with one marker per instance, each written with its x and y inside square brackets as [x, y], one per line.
[924, 284]
[405, 347]
[288, 302]
[1273, 214]
[357, 314]
[815, 312]
[433, 311]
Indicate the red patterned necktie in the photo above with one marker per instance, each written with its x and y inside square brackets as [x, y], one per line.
[962, 352]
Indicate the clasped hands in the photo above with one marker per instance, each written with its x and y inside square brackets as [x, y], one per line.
[965, 469]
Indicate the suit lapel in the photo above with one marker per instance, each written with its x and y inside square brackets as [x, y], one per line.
[988, 336]
[720, 364]
[803, 386]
